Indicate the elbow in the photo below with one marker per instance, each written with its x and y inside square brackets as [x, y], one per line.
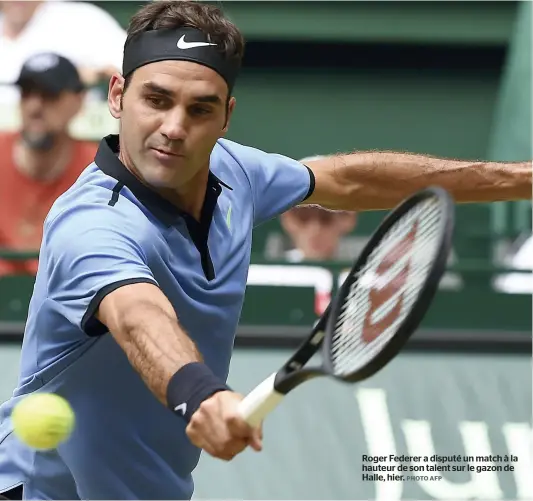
[121, 322]
[125, 308]
[344, 196]
[137, 313]
[123, 318]
[358, 198]
[371, 197]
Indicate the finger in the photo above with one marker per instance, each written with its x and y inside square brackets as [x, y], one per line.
[195, 435]
[238, 427]
[255, 441]
[233, 447]
[214, 438]
[206, 433]
[206, 421]
[212, 447]
[226, 451]
[221, 434]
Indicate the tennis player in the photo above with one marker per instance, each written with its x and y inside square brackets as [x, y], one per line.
[144, 261]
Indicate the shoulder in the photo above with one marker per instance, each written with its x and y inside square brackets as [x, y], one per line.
[11, 178]
[82, 157]
[239, 153]
[85, 151]
[7, 139]
[87, 208]
[250, 158]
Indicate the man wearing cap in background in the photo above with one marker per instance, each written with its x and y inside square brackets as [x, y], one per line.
[316, 233]
[65, 28]
[41, 160]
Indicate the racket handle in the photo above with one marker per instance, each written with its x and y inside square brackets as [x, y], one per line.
[260, 402]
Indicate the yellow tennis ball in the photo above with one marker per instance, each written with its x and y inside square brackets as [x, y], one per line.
[43, 420]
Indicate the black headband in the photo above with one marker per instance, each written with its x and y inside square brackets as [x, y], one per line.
[182, 44]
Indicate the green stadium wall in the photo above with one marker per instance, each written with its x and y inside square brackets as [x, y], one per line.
[326, 77]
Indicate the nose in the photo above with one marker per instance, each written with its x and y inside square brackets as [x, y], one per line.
[174, 126]
[33, 102]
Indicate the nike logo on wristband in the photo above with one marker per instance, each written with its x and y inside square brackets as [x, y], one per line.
[182, 408]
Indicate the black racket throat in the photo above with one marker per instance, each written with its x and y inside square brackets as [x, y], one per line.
[286, 382]
[293, 373]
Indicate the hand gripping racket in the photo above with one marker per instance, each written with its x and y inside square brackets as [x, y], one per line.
[377, 308]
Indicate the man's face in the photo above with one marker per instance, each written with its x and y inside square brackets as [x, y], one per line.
[45, 116]
[171, 115]
[317, 232]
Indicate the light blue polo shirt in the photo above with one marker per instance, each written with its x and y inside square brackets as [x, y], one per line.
[106, 231]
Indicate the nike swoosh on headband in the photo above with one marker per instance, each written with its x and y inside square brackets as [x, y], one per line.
[182, 44]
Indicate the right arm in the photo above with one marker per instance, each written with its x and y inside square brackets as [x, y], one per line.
[145, 326]
[100, 281]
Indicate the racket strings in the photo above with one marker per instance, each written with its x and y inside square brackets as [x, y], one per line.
[384, 289]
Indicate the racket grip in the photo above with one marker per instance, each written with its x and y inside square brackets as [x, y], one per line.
[260, 402]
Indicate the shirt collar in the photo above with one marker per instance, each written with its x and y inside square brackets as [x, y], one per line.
[107, 161]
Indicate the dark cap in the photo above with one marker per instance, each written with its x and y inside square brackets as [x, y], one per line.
[51, 73]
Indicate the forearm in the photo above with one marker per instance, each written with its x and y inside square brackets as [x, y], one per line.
[156, 346]
[380, 180]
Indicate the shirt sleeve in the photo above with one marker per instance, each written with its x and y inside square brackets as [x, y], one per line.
[278, 182]
[89, 252]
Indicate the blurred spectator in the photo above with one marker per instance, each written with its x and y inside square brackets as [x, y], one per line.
[316, 233]
[40, 161]
[83, 33]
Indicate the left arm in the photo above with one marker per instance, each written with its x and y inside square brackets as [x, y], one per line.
[380, 180]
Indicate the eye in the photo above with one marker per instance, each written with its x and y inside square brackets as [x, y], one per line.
[155, 101]
[200, 110]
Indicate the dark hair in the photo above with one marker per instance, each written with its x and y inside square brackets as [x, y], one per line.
[168, 14]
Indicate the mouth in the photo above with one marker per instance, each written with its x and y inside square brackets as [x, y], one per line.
[36, 121]
[166, 153]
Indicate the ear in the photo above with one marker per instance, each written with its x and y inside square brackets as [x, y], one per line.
[115, 94]
[231, 106]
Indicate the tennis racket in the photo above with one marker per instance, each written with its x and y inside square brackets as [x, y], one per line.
[379, 305]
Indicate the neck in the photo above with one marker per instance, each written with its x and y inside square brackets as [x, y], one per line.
[190, 196]
[43, 165]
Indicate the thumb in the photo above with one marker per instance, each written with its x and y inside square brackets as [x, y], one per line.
[255, 441]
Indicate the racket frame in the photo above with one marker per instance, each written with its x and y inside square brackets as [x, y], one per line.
[424, 297]
[269, 394]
